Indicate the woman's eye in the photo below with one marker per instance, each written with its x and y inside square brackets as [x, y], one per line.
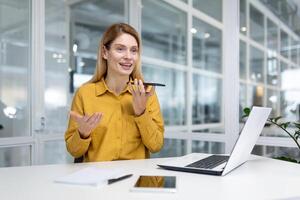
[134, 50]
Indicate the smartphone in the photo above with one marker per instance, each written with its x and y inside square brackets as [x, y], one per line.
[151, 83]
[155, 184]
[154, 84]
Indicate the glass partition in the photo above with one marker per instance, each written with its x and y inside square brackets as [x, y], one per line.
[55, 152]
[15, 68]
[172, 148]
[172, 97]
[256, 25]
[208, 147]
[272, 36]
[207, 100]
[15, 156]
[243, 17]
[164, 36]
[243, 60]
[207, 47]
[284, 44]
[211, 8]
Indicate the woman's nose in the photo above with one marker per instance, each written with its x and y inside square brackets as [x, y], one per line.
[128, 54]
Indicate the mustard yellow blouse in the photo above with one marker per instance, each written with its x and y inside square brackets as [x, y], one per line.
[120, 134]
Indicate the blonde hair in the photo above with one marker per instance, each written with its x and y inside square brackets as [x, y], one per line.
[108, 37]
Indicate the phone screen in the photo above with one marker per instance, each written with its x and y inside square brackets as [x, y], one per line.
[162, 182]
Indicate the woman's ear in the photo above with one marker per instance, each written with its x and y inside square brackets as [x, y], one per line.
[105, 52]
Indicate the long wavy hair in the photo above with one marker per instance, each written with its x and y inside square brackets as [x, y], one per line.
[109, 36]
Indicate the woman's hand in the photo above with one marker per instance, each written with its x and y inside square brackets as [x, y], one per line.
[140, 96]
[86, 123]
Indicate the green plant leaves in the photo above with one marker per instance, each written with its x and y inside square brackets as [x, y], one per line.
[246, 112]
[284, 125]
[275, 119]
[297, 134]
[286, 159]
[297, 125]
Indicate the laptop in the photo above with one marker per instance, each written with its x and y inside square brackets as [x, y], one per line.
[221, 165]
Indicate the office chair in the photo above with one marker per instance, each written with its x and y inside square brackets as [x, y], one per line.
[78, 160]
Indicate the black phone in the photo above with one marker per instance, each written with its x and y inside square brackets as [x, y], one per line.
[154, 84]
[151, 83]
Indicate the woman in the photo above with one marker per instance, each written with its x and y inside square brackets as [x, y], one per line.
[110, 118]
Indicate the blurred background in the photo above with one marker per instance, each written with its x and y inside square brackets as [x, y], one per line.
[48, 49]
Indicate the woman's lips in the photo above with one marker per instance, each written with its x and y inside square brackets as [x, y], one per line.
[126, 66]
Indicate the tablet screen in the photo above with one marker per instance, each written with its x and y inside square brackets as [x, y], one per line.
[160, 182]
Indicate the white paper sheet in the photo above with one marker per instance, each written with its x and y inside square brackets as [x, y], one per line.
[90, 176]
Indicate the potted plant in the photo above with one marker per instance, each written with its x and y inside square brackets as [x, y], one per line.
[282, 125]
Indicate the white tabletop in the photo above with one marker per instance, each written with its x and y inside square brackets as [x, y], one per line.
[259, 178]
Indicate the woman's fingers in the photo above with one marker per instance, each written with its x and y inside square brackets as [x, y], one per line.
[141, 88]
[75, 116]
[91, 119]
[97, 120]
[136, 87]
[134, 90]
[150, 91]
[86, 120]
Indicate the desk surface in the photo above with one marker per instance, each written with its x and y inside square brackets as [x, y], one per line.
[259, 178]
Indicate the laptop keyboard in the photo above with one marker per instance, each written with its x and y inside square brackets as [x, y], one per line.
[209, 162]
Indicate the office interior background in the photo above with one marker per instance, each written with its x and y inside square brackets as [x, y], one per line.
[48, 49]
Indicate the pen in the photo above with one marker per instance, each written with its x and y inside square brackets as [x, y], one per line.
[113, 180]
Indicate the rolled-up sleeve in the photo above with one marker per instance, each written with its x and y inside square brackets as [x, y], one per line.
[76, 145]
[151, 125]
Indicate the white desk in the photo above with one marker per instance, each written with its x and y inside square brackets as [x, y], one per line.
[259, 178]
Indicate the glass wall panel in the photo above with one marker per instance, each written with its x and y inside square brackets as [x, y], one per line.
[211, 8]
[89, 19]
[273, 72]
[15, 30]
[56, 72]
[243, 71]
[298, 47]
[256, 93]
[290, 92]
[284, 44]
[283, 70]
[272, 101]
[164, 32]
[85, 33]
[172, 148]
[274, 152]
[15, 156]
[243, 17]
[172, 97]
[55, 152]
[207, 99]
[286, 12]
[256, 65]
[208, 147]
[294, 47]
[215, 130]
[243, 99]
[272, 69]
[272, 35]
[256, 25]
[207, 46]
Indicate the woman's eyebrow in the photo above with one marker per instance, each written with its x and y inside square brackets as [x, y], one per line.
[135, 46]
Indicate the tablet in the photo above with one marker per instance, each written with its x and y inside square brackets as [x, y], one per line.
[155, 184]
